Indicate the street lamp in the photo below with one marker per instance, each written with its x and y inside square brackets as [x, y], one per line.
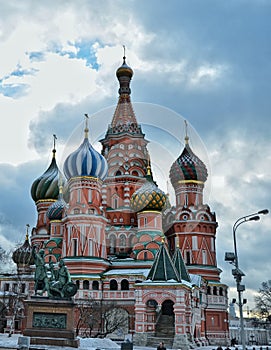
[237, 273]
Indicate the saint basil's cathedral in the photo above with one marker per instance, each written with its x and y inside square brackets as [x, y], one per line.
[123, 242]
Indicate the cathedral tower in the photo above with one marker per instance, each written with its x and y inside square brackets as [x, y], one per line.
[84, 244]
[193, 230]
[45, 192]
[125, 149]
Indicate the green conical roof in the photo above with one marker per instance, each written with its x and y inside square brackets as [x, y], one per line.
[163, 269]
[180, 265]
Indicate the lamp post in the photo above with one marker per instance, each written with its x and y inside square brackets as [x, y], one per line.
[237, 273]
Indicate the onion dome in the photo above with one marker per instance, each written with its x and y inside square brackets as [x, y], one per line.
[23, 254]
[46, 186]
[148, 196]
[85, 161]
[188, 167]
[124, 70]
[124, 74]
[56, 210]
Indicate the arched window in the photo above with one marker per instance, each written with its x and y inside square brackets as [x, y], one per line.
[113, 285]
[118, 173]
[221, 291]
[95, 285]
[215, 291]
[124, 285]
[77, 282]
[122, 241]
[152, 303]
[209, 290]
[115, 202]
[85, 284]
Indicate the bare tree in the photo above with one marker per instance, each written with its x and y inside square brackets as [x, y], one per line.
[13, 307]
[263, 301]
[88, 317]
[3, 316]
[96, 319]
[115, 319]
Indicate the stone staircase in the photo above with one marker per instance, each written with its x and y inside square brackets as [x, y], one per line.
[165, 332]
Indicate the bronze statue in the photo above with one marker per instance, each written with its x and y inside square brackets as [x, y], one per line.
[58, 283]
[41, 278]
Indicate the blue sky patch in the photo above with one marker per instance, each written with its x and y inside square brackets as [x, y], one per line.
[36, 56]
[13, 90]
[86, 51]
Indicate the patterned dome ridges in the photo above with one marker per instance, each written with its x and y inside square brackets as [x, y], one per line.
[23, 255]
[56, 210]
[148, 196]
[46, 186]
[188, 167]
[85, 161]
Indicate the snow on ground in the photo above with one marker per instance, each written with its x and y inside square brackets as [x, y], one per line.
[7, 342]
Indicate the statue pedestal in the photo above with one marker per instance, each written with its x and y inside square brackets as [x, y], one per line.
[50, 322]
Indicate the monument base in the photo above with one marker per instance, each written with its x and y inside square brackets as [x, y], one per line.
[50, 322]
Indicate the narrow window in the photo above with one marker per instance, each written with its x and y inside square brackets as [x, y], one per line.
[204, 257]
[186, 200]
[90, 195]
[90, 247]
[195, 242]
[212, 244]
[145, 222]
[115, 203]
[74, 247]
[188, 260]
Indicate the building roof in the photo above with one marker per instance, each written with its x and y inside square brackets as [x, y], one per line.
[163, 268]
[180, 265]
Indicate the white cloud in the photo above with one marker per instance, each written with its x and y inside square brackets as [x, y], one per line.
[206, 74]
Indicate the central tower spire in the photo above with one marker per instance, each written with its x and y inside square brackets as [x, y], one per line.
[125, 148]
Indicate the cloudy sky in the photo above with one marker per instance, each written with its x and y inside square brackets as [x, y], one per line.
[208, 62]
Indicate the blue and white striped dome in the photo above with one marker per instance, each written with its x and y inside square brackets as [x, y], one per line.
[85, 161]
